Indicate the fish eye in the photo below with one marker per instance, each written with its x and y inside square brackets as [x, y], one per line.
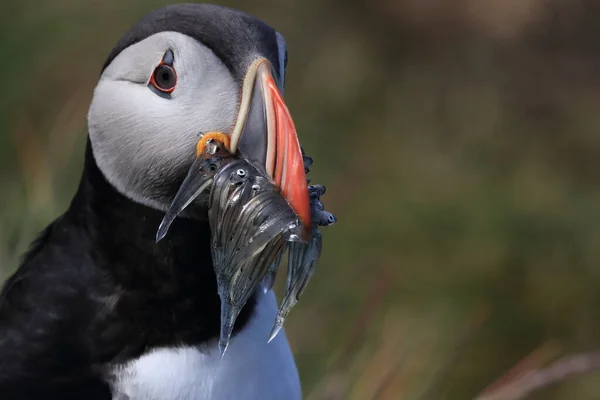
[212, 167]
[164, 78]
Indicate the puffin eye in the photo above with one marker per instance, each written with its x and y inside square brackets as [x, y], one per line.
[164, 77]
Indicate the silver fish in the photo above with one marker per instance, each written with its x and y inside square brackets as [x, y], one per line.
[252, 226]
[303, 257]
[199, 178]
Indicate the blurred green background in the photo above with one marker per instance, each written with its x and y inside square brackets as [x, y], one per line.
[460, 144]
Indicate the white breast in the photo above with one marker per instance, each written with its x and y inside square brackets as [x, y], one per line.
[251, 369]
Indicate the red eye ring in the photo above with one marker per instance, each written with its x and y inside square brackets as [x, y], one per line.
[164, 78]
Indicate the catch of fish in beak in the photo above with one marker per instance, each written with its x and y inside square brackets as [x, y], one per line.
[252, 226]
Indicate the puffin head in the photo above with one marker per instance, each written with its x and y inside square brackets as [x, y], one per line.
[184, 72]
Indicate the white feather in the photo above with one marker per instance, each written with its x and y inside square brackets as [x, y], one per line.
[251, 369]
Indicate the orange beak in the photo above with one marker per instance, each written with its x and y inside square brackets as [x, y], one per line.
[265, 136]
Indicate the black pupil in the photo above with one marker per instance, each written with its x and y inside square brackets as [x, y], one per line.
[164, 77]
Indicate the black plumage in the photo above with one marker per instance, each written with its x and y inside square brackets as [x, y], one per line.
[95, 290]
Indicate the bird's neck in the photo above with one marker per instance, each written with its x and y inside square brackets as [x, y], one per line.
[174, 277]
[124, 232]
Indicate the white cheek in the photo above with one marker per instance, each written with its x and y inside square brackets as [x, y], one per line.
[208, 93]
[139, 139]
[138, 136]
[131, 116]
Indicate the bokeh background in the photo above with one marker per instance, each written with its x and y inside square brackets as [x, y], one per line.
[459, 141]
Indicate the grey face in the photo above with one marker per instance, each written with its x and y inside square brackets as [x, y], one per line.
[144, 142]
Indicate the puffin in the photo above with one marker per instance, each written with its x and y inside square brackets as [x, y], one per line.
[98, 309]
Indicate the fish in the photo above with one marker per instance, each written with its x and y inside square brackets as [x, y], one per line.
[303, 257]
[252, 227]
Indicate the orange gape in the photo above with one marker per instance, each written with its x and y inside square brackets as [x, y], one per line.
[289, 164]
[218, 136]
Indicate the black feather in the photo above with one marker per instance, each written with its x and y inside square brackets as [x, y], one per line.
[235, 37]
[95, 290]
